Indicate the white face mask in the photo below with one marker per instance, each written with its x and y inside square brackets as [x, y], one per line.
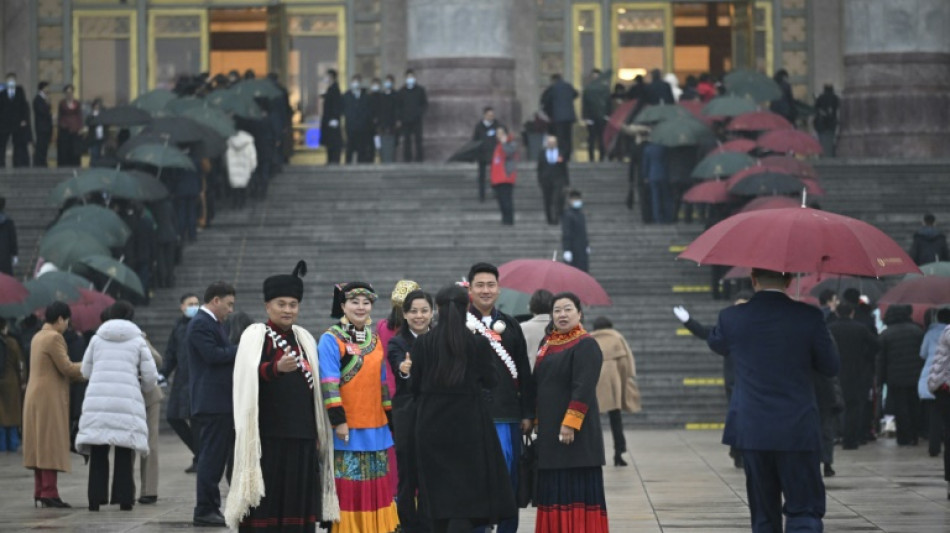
[388, 84]
[11, 84]
[410, 82]
[577, 204]
[355, 85]
[374, 87]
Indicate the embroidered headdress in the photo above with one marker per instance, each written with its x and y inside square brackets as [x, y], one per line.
[284, 285]
[345, 291]
[401, 290]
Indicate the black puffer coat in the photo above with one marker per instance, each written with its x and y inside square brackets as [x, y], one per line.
[899, 362]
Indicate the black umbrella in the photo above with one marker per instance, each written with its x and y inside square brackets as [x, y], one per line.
[124, 116]
[767, 183]
[178, 130]
[469, 152]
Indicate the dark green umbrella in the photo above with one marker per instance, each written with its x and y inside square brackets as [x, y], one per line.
[722, 164]
[680, 132]
[766, 183]
[238, 103]
[139, 139]
[65, 247]
[513, 302]
[154, 101]
[124, 116]
[938, 268]
[61, 279]
[214, 118]
[161, 156]
[103, 224]
[658, 113]
[177, 129]
[753, 85]
[117, 183]
[258, 88]
[729, 106]
[44, 292]
[117, 272]
[185, 105]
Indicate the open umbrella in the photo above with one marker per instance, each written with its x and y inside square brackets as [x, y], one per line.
[11, 290]
[124, 116]
[789, 165]
[154, 101]
[469, 152]
[86, 311]
[178, 130]
[213, 118]
[529, 275]
[759, 121]
[736, 145]
[658, 113]
[926, 290]
[258, 88]
[61, 279]
[161, 156]
[722, 164]
[770, 202]
[695, 108]
[753, 85]
[729, 106]
[43, 293]
[110, 230]
[789, 141]
[95, 215]
[708, 192]
[514, 303]
[186, 105]
[939, 268]
[65, 247]
[762, 183]
[117, 183]
[618, 118]
[800, 239]
[683, 131]
[815, 284]
[115, 271]
[238, 103]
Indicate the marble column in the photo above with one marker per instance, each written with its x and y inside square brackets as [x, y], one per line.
[461, 52]
[897, 70]
[17, 43]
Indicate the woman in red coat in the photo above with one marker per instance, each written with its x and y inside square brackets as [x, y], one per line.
[68, 149]
[503, 175]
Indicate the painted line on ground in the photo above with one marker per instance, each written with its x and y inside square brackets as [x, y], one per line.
[690, 288]
[677, 248]
[704, 426]
[703, 382]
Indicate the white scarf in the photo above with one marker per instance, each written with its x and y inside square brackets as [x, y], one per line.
[247, 483]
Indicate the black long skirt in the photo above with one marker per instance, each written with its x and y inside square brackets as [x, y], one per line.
[291, 487]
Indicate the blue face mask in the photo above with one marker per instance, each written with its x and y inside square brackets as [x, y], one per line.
[191, 311]
[577, 204]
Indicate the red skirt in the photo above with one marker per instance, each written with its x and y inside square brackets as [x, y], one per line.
[571, 501]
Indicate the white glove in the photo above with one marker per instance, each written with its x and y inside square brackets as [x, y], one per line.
[16, 260]
[377, 141]
[681, 313]
[334, 123]
[568, 256]
[589, 122]
[588, 250]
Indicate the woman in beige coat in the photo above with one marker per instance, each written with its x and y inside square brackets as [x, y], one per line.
[46, 407]
[617, 389]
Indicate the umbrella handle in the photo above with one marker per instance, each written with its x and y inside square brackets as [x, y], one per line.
[804, 196]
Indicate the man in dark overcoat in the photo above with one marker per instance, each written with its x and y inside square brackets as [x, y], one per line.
[8, 241]
[777, 344]
[358, 117]
[553, 179]
[330, 133]
[857, 347]
[557, 101]
[576, 246]
[15, 123]
[485, 132]
[43, 124]
[413, 104]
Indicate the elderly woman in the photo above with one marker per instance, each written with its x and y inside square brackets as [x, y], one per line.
[570, 443]
[113, 413]
[46, 407]
[355, 395]
[617, 388]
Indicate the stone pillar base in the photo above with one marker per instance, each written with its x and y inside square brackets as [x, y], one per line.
[896, 105]
[458, 90]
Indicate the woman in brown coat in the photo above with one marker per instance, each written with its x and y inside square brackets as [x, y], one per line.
[11, 404]
[617, 389]
[69, 120]
[46, 407]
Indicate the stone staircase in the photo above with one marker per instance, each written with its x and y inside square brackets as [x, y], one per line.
[382, 224]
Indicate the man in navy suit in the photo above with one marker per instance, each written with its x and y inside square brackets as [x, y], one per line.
[776, 345]
[211, 363]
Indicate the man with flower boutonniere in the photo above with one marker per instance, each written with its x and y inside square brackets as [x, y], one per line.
[512, 399]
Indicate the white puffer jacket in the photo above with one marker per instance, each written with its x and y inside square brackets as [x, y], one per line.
[113, 412]
[242, 159]
[940, 370]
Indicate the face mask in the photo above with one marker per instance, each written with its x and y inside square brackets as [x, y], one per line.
[355, 85]
[410, 82]
[375, 87]
[388, 84]
[191, 311]
[576, 204]
[11, 84]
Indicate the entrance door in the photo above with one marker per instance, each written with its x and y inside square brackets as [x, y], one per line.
[703, 39]
[239, 41]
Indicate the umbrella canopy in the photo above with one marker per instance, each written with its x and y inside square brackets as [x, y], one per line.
[138, 140]
[87, 310]
[815, 284]
[154, 101]
[729, 106]
[800, 239]
[789, 165]
[763, 182]
[789, 141]
[658, 113]
[186, 105]
[119, 184]
[925, 290]
[61, 278]
[215, 119]
[683, 131]
[753, 85]
[529, 275]
[759, 121]
[695, 108]
[114, 270]
[722, 164]
[469, 152]
[514, 303]
[238, 103]
[161, 156]
[812, 187]
[618, 118]
[11, 290]
[258, 88]
[939, 268]
[65, 247]
[178, 130]
[43, 293]
[736, 145]
[124, 116]
[708, 192]
[98, 222]
[770, 202]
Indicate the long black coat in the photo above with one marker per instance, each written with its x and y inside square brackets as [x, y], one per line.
[568, 380]
[463, 474]
[358, 112]
[176, 363]
[574, 237]
[42, 117]
[857, 347]
[8, 243]
[557, 101]
[15, 114]
[486, 134]
[330, 136]
[399, 345]
[385, 108]
[512, 401]
[413, 103]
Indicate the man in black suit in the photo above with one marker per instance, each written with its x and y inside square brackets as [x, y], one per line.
[857, 347]
[358, 116]
[658, 91]
[413, 103]
[557, 102]
[574, 233]
[553, 178]
[777, 345]
[211, 363]
[485, 132]
[43, 123]
[15, 123]
[330, 135]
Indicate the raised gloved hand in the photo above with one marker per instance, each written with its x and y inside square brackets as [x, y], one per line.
[568, 256]
[16, 260]
[333, 123]
[681, 313]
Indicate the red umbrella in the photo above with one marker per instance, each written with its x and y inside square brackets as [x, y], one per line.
[737, 273]
[85, 312]
[695, 107]
[759, 121]
[617, 119]
[735, 145]
[929, 290]
[800, 239]
[707, 192]
[770, 202]
[789, 141]
[529, 275]
[790, 165]
[812, 187]
[11, 290]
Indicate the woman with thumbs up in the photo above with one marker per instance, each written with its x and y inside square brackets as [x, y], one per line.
[417, 313]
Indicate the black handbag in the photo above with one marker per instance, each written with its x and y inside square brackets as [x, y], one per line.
[527, 472]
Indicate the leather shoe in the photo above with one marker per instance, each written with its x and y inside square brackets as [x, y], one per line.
[829, 472]
[192, 469]
[146, 500]
[212, 519]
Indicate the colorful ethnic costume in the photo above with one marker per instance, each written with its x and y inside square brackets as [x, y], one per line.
[570, 477]
[353, 381]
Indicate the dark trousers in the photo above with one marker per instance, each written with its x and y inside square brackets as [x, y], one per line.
[942, 406]
[412, 137]
[123, 486]
[770, 475]
[165, 265]
[186, 433]
[333, 153]
[903, 402]
[564, 132]
[67, 149]
[829, 429]
[186, 209]
[41, 149]
[616, 429]
[595, 139]
[217, 439]
[21, 154]
[454, 525]
[552, 193]
[483, 167]
[931, 426]
[854, 407]
[506, 202]
[359, 147]
[580, 260]
[678, 190]
[412, 512]
[662, 202]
